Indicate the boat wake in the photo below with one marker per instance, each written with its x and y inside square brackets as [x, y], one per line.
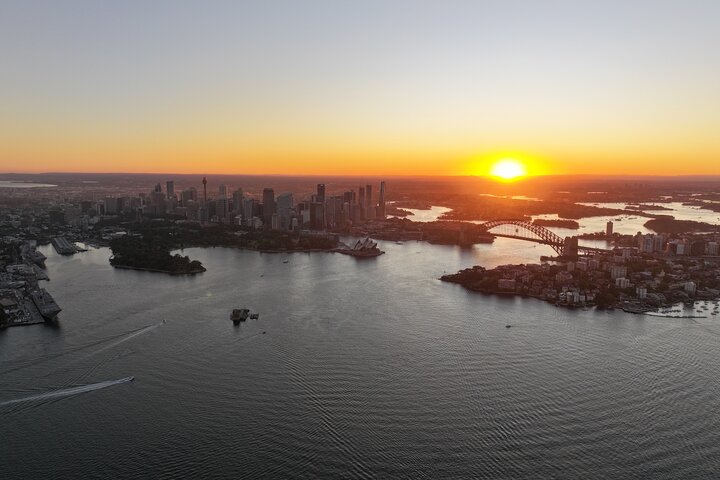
[66, 392]
[118, 339]
[127, 337]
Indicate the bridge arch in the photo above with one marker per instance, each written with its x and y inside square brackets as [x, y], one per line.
[527, 231]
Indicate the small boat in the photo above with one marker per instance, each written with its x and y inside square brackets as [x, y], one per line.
[508, 326]
[254, 316]
[239, 315]
[286, 260]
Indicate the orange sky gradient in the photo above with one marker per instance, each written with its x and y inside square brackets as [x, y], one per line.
[328, 88]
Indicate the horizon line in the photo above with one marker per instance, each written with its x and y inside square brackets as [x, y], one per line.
[305, 175]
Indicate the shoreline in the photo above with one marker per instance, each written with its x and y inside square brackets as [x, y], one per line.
[651, 312]
[156, 270]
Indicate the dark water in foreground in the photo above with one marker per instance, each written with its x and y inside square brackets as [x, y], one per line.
[367, 369]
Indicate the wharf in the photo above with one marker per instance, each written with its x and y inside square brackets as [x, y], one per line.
[45, 304]
[63, 246]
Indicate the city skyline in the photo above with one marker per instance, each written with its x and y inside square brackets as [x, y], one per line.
[384, 89]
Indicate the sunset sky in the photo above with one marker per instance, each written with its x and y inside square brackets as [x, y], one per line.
[360, 87]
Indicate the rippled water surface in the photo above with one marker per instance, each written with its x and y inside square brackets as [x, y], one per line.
[365, 369]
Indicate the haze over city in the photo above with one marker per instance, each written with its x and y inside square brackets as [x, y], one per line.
[372, 88]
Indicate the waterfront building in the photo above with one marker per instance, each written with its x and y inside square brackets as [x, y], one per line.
[381, 202]
[361, 203]
[609, 229]
[248, 210]
[268, 205]
[285, 204]
[317, 216]
[570, 247]
[369, 207]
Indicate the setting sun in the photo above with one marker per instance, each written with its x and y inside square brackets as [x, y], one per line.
[508, 169]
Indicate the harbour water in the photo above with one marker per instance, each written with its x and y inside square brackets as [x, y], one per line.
[356, 368]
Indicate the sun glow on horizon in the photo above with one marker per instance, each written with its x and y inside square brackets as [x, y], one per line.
[508, 169]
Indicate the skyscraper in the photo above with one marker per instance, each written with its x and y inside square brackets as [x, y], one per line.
[248, 205]
[361, 203]
[321, 192]
[268, 205]
[237, 202]
[381, 201]
[170, 187]
[285, 203]
[204, 182]
[369, 207]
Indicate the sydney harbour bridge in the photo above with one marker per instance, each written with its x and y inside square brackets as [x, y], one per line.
[524, 230]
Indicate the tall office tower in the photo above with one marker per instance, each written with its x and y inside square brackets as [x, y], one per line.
[248, 206]
[170, 189]
[381, 201]
[204, 189]
[188, 195]
[221, 208]
[203, 213]
[320, 193]
[369, 207]
[268, 205]
[361, 203]
[157, 201]
[237, 202]
[348, 197]
[609, 229]
[221, 204]
[317, 216]
[285, 203]
[334, 214]
[111, 206]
